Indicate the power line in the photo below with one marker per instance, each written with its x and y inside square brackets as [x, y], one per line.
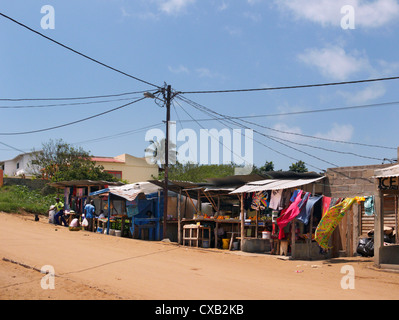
[275, 139]
[71, 123]
[125, 133]
[293, 133]
[64, 104]
[75, 98]
[306, 111]
[77, 52]
[291, 87]
[11, 147]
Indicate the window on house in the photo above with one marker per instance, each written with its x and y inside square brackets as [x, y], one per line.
[17, 165]
[116, 174]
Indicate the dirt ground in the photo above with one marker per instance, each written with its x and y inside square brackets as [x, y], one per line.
[93, 266]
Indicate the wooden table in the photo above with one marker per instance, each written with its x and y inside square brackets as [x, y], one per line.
[195, 233]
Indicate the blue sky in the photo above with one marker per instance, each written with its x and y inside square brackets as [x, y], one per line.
[206, 45]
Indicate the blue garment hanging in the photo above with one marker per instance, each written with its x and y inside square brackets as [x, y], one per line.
[304, 215]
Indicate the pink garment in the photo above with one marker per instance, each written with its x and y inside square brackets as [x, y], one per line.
[292, 211]
[326, 204]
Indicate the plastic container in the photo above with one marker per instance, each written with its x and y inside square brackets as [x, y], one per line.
[205, 243]
[235, 245]
[265, 234]
[226, 243]
[118, 233]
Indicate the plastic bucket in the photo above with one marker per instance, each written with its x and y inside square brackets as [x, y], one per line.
[205, 243]
[265, 234]
[226, 243]
[118, 233]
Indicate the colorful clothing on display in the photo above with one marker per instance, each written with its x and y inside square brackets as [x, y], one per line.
[275, 199]
[330, 221]
[305, 211]
[260, 200]
[290, 214]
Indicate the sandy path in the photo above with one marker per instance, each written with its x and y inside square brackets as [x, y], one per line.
[95, 266]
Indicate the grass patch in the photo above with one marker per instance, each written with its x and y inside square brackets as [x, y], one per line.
[21, 198]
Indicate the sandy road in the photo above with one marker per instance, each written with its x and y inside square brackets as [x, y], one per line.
[94, 267]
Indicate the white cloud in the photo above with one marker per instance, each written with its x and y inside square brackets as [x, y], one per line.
[365, 95]
[179, 69]
[341, 132]
[174, 6]
[206, 73]
[334, 62]
[369, 14]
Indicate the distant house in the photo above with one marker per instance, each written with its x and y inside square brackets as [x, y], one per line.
[18, 166]
[128, 167]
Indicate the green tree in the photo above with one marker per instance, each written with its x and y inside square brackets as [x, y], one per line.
[268, 166]
[59, 161]
[298, 167]
[196, 172]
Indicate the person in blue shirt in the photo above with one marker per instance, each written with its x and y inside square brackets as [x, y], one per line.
[89, 212]
[59, 208]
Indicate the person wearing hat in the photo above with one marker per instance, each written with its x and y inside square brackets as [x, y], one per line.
[59, 207]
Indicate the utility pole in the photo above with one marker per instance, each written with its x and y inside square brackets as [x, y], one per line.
[165, 191]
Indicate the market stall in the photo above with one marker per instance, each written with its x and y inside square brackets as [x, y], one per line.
[290, 205]
[207, 206]
[76, 195]
[386, 255]
[141, 209]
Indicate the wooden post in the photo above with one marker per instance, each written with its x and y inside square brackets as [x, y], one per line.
[179, 240]
[378, 227]
[355, 236]
[293, 229]
[242, 218]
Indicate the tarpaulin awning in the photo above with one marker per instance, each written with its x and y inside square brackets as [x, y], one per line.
[129, 191]
[275, 184]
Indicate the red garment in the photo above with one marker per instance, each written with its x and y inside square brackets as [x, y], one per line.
[292, 211]
[326, 204]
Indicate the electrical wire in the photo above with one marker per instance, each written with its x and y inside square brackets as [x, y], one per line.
[297, 134]
[77, 52]
[125, 133]
[73, 122]
[11, 147]
[76, 98]
[307, 111]
[291, 87]
[64, 104]
[207, 110]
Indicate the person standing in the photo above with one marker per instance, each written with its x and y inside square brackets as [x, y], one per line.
[89, 212]
[59, 208]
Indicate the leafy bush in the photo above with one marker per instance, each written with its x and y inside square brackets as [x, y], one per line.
[18, 198]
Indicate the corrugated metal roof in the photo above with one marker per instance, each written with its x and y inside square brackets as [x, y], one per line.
[274, 184]
[387, 172]
[83, 183]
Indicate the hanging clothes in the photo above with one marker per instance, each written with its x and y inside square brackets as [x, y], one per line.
[292, 211]
[369, 206]
[326, 205]
[305, 211]
[260, 200]
[275, 199]
[331, 220]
